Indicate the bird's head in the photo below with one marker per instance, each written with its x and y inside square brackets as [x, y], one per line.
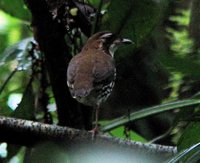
[106, 41]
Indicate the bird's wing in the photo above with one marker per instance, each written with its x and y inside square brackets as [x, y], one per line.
[104, 70]
[71, 72]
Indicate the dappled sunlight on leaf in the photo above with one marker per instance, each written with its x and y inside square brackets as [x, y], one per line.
[14, 100]
[15, 8]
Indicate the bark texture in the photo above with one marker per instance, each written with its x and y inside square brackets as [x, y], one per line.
[28, 133]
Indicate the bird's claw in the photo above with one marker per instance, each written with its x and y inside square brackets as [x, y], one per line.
[94, 132]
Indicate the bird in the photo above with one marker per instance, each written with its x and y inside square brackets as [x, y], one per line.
[91, 73]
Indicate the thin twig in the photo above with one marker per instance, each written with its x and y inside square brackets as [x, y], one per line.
[161, 136]
[189, 118]
[7, 80]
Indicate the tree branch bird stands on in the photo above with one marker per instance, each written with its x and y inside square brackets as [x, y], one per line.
[91, 73]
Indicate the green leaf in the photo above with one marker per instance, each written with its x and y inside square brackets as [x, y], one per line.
[18, 52]
[4, 108]
[186, 66]
[7, 80]
[182, 156]
[26, 109]
[149, 112]
[189, 136]
[194, 157]
[48, 152]
[94, 3]
[12, 151]
[119, 132]
[15, 8]
[134, 19]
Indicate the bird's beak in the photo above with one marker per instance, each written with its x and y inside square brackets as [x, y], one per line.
[120, 41]
[126, 41]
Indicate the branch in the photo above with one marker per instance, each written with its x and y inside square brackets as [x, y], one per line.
[24, 132]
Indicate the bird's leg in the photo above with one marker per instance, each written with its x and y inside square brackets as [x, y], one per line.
[96, 128]
[96, 118]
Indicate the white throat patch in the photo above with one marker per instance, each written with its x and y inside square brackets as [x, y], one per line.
[112, 49]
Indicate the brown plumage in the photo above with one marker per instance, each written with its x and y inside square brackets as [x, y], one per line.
[91, 73]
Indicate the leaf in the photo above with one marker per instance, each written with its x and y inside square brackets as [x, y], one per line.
[186, 66]
[119, 132]
[12, 151]
[189, 136]
[4, 108]
[194, 157]
[18, 52]
[94, 2]
[149, 112]
[182, 156]
[134, 19]
[49, 152]
[7, 80]
[26, 109]
[15, 8]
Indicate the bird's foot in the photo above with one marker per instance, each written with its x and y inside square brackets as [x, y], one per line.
[94, 132]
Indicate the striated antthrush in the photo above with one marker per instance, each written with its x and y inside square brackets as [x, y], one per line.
[91, 73]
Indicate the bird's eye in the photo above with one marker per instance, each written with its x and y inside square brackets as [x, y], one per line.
[99, 44]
